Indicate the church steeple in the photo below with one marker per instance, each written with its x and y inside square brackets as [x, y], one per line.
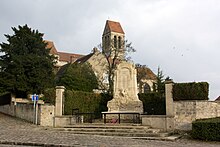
[113, 36]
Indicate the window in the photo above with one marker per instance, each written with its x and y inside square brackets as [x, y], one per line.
[146, 88]
[115, 41]
[119, 42]
[105, 42]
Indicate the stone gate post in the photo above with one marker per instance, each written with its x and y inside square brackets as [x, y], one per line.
[169, 121]
[59, 100]
[169, 98]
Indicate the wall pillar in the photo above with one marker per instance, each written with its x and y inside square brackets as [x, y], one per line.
[169, 98]
[59, 100]
[169, 105]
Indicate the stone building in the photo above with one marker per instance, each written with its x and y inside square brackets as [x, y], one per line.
[113, 39]
[145, 78]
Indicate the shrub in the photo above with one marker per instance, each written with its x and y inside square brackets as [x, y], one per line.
[86, 102]
[206, 129]
[79, 77]
[49, 96]
[153, 103]
[190, 91]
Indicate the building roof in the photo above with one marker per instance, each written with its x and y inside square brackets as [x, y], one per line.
[68, 57]
[84, 58]
[113, 26]
[52, 47]
[148, 73]
[63, 56]
[218, 99]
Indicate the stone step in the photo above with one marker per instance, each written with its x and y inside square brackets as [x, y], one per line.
[105, 126]
[133, 130]
[124, 134]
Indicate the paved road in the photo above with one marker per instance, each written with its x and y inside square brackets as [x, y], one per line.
[14, 130]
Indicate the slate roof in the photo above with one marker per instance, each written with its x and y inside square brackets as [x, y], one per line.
[113, 26]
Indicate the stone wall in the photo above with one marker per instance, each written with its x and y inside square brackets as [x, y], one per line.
[162, 122]
[26, 111]
[46, 115]
[8, 109]
[185, 112]
[63, 121]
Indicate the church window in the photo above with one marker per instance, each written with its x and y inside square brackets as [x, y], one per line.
[105, 42]
[108, 41]
[146, 88]
[115, 41]
[119, 42]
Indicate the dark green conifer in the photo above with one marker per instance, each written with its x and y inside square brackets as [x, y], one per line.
[26, 66]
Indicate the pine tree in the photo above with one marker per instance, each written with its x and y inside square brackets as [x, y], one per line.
[26, 66]
[159, 86]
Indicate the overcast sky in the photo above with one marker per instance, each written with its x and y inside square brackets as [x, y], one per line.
[182, 37]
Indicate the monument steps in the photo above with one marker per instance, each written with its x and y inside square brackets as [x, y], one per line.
[112, 130]
[116, 130]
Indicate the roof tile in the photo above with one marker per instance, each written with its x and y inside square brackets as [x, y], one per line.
[52, 47]
[113, 26]
[69, 57]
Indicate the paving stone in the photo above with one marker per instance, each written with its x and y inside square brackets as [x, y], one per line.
[15, 132]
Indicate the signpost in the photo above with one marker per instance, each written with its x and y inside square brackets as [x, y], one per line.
[35, 99]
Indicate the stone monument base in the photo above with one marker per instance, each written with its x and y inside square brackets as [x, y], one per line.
[117, 105]
[126, 108]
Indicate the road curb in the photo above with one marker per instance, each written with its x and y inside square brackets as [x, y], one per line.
[33, 144]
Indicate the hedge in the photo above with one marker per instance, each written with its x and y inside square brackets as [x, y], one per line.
[206, 129]
[86, 102]
[5, 98]
[49, 96]
[190, 91]
[153, 103]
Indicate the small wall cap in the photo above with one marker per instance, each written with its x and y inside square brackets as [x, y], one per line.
[60, 87]
[168, 81]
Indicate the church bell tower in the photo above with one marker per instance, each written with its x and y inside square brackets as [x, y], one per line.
[113, 38]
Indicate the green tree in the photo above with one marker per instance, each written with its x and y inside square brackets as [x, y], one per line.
[25, 64]
[159, 86]
[78, 77]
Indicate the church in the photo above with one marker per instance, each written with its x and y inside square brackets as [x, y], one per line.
[113, 46]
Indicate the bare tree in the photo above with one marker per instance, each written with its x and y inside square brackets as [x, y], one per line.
[114, 55]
